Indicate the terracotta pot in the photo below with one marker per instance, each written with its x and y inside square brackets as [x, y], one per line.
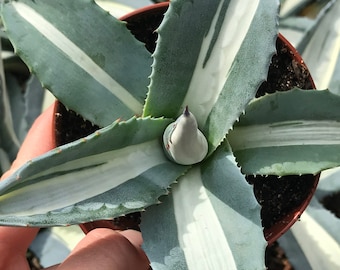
[152, 15]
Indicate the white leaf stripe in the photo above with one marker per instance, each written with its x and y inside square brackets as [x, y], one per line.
[199, 231]
[126, 163]
[78, 56]
[285, 133]
[309, 233]
[213, 65]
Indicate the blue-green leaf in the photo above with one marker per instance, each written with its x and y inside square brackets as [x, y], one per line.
[205, 59]
[5, 162]
[17, 105]
[119, 169]
[293, 132]
[194, 227]
[9, 141]
[86, 57]
[34, 97]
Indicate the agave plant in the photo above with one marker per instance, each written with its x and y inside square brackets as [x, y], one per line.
[210, 59]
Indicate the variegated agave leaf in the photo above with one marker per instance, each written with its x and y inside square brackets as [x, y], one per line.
[70, 184]
[293, 132]
[205, 208]
[86, 52]
[195, 226]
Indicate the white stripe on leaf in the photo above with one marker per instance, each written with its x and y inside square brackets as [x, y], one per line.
[54, 193]
[286, 133]
[320, 248]
[199, 231]
[211, 70]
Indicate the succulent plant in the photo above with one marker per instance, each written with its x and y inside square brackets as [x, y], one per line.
[211, 56]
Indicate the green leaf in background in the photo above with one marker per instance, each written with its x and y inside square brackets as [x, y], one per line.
[220, 76]
[9, 142]
[322, 52]
[20, 103]
[314, 241]
[127, 155]
[8, 139]
[334, 84]
[204, 210]
[293, 132]
[86, 57]
[34, 100]
[17, 105]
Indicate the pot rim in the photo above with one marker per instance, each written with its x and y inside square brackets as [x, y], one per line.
[279, 228]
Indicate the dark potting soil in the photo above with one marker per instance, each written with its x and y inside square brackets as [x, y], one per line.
[285, 72]
[277, 196]
[33, 261]
[332, 203]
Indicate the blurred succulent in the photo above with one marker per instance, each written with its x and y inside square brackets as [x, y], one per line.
[21, 97]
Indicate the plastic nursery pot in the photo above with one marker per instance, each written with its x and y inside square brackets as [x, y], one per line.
[282, 199]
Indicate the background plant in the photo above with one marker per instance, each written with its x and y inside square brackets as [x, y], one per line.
[314, 243]
[232, 199]
[20, 103]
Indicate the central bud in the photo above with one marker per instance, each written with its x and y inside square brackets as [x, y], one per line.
[183, 142]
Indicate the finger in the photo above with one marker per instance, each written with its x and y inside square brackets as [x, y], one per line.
[136, 239]
[111, 250]
[13, 245]
[39, 140]
[133, 236]
[16, 240]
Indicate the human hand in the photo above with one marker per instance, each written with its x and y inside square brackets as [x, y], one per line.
[99, 249]
[106, 249]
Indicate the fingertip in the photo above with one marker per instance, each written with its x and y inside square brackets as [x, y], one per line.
[113, 250]
[133, 236]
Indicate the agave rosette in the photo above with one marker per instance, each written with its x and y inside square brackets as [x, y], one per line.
[210, 56]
